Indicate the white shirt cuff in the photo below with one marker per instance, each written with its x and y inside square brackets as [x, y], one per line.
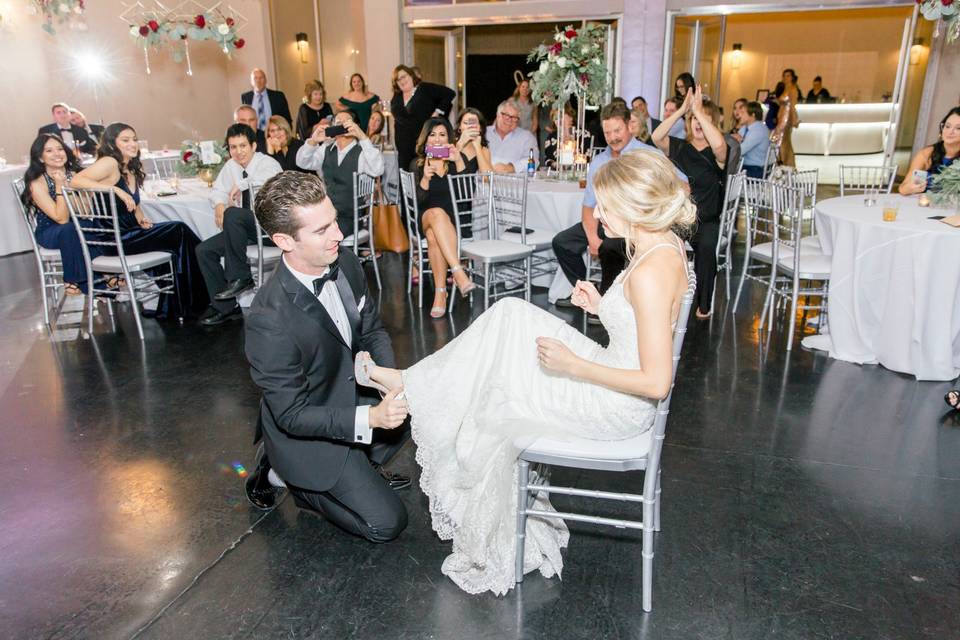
[361, 425]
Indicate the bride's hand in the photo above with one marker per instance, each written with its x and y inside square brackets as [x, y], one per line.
[586, 296]
[555, 356]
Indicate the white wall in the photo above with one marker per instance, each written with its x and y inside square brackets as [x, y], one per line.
[165, 107]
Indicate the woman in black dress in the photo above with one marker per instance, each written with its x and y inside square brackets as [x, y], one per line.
[118, 168]
[281, 145]
[436, 209]
[52, 166]
[701, 156]
[413, 103]
[472, 143]
[314, 110]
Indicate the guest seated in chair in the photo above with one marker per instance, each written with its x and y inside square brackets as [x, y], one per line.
[754, 138]
[435, 204]
[77, 119]
[336, 159]
[931, 160]
[118, 168]
[510, 145]
[233, 212]
[76, 138]
[52, 164]
[281, 145]
[587, 235]
[472, 143]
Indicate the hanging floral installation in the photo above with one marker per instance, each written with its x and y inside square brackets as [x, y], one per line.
[153, 27]
[945, 12]
[63, 12]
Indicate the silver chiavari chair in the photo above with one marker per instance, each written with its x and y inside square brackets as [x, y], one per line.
[858, 179]
[49, 265]
[362, 237]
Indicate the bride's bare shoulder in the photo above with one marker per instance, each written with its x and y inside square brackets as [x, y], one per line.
[660, 276]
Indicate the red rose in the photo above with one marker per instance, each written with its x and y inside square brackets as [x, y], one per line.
[230, 22]
[154, 26]
[239, 42]
[200, 21]
[947, 3]
[144, 31]
[570, 33]
[584, 78]
[187, 156]
[556, 48]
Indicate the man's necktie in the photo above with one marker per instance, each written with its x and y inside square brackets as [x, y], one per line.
[261, 113]
[245, 194]
[330, 275]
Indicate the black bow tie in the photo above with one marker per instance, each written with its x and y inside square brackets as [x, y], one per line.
[65, 129]
[331, 275]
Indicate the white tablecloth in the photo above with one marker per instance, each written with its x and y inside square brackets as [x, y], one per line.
[14, 237]
[553, 206]
[191, 205]
[894, 288]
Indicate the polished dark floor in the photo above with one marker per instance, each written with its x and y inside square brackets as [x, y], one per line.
[803, 498]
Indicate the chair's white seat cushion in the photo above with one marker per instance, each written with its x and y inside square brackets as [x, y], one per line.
[348, 241]
[811, 242]
[135, 261]
[764, 251]
[629, 449]
[49, 254]
[538, 239]
[269, 253]
[496, 250]
[813, 266]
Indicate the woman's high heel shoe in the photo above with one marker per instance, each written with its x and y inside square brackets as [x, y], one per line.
[952, 398]
[438, 312]
[467, 288]
[362, 375]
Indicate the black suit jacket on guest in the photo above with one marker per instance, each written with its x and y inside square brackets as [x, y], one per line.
[410, 118]
[82, 138]
[278, 104]
[305, 371]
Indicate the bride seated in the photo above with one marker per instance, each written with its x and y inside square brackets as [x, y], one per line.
[522, 372]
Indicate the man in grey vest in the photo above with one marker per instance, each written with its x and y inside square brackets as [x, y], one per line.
[336, 159]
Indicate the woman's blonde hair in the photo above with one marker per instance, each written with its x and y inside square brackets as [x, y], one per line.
[281, 122]
[314, 85]
[642, 187]
[642, 133]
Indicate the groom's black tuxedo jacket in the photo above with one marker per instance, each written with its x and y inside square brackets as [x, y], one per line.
[305, 371]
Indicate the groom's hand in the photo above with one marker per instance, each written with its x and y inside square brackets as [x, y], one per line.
[390, 413]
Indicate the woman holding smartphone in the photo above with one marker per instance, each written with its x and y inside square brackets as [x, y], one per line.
[472, 143]
[437, 157]
[931, 160]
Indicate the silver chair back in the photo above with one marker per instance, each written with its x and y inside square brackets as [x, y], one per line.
[509, 210]
[858, 179]
[166, 167]
[770, 162]
[48, 267]
[408, 195]
[470, 193]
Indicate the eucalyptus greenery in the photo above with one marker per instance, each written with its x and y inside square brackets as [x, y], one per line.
[945, 191]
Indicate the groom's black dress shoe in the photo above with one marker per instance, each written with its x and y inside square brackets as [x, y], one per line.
[260, 492]
[395, 480]
[234, 289]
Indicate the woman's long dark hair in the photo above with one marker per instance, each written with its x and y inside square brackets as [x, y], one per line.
[108, 149]
[425, 134]
[480, 119]
[688, 83]
[36, 168]
[939, 149]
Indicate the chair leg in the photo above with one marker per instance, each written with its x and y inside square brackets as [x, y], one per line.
[793, 312]
[656, 505]
[528, 289]
[376, 269]
[46, 305]
[768, 298]
[90, 307]
[743, 276]
[523, 477]
[486, 285]
[647, 553]
[134, 305]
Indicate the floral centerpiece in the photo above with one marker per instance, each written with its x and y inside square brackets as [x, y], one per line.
[945, 191]
[945, 11]
[201, 158]
[151, 30]
[63, 11]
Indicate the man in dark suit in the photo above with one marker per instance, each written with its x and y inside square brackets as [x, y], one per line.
[324, 439]
[77, 119]
[266, 102]
[641, 103]
[73, 136]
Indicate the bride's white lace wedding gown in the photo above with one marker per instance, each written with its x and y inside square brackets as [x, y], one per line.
[473, 399]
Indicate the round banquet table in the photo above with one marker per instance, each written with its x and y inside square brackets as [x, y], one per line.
[894, 288]
[15, 237]
[190, 205]
[552, 206]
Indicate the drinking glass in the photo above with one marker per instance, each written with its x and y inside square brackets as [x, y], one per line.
[891, 206]
[870, 197]
[174, 182]
[144, 146]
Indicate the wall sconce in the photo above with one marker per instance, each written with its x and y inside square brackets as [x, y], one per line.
[916, 51]
[302, 46]
[737, 55]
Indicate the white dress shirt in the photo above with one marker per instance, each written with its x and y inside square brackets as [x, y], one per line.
[513, 149]
[260, 169]
[330, 299]
[370, 162]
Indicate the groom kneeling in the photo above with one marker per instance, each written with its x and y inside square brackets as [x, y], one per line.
[324, 438]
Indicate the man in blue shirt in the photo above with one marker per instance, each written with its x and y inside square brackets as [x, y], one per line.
[569, 244]
[754, 140]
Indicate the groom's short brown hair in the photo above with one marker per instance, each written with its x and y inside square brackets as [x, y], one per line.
[277, 198]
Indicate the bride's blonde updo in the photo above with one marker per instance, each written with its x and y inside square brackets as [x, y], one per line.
[643, 189]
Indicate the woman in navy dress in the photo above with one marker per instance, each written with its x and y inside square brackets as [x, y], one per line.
[118, 168]
[52, 164]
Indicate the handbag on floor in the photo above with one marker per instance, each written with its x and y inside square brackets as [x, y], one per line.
[389, 232]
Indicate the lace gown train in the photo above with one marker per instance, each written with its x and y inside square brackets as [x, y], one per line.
[475, 401]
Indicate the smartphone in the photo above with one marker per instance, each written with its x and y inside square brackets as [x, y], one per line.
[334, 131]
[919, 176]
[936, 217]
[437, 152]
